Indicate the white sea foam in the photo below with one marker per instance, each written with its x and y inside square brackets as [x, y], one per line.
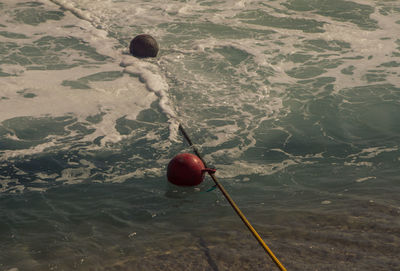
[372, 152]
[360, 180]
[246, 168]
[139, 173]
[122, 97]
[11, 185]
[151, 75]
[148, 73]
[96, 21]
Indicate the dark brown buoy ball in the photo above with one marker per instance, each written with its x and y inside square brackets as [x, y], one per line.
[144, 46]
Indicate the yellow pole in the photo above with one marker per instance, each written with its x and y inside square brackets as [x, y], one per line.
[234, 206]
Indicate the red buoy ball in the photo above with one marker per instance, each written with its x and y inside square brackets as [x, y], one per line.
[186, 169]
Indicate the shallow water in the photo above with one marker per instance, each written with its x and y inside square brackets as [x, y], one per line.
[296, 103]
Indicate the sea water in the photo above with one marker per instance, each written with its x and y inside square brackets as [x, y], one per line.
[296, 103]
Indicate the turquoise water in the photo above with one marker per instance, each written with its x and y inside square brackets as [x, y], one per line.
[295, 103]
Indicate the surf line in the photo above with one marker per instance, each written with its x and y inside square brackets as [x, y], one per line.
[233, 204]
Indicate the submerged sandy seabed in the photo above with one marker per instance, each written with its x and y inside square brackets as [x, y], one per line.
[363, 238]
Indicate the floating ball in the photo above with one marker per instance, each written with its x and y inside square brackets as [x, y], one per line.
[186, 169]
[144, 46]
